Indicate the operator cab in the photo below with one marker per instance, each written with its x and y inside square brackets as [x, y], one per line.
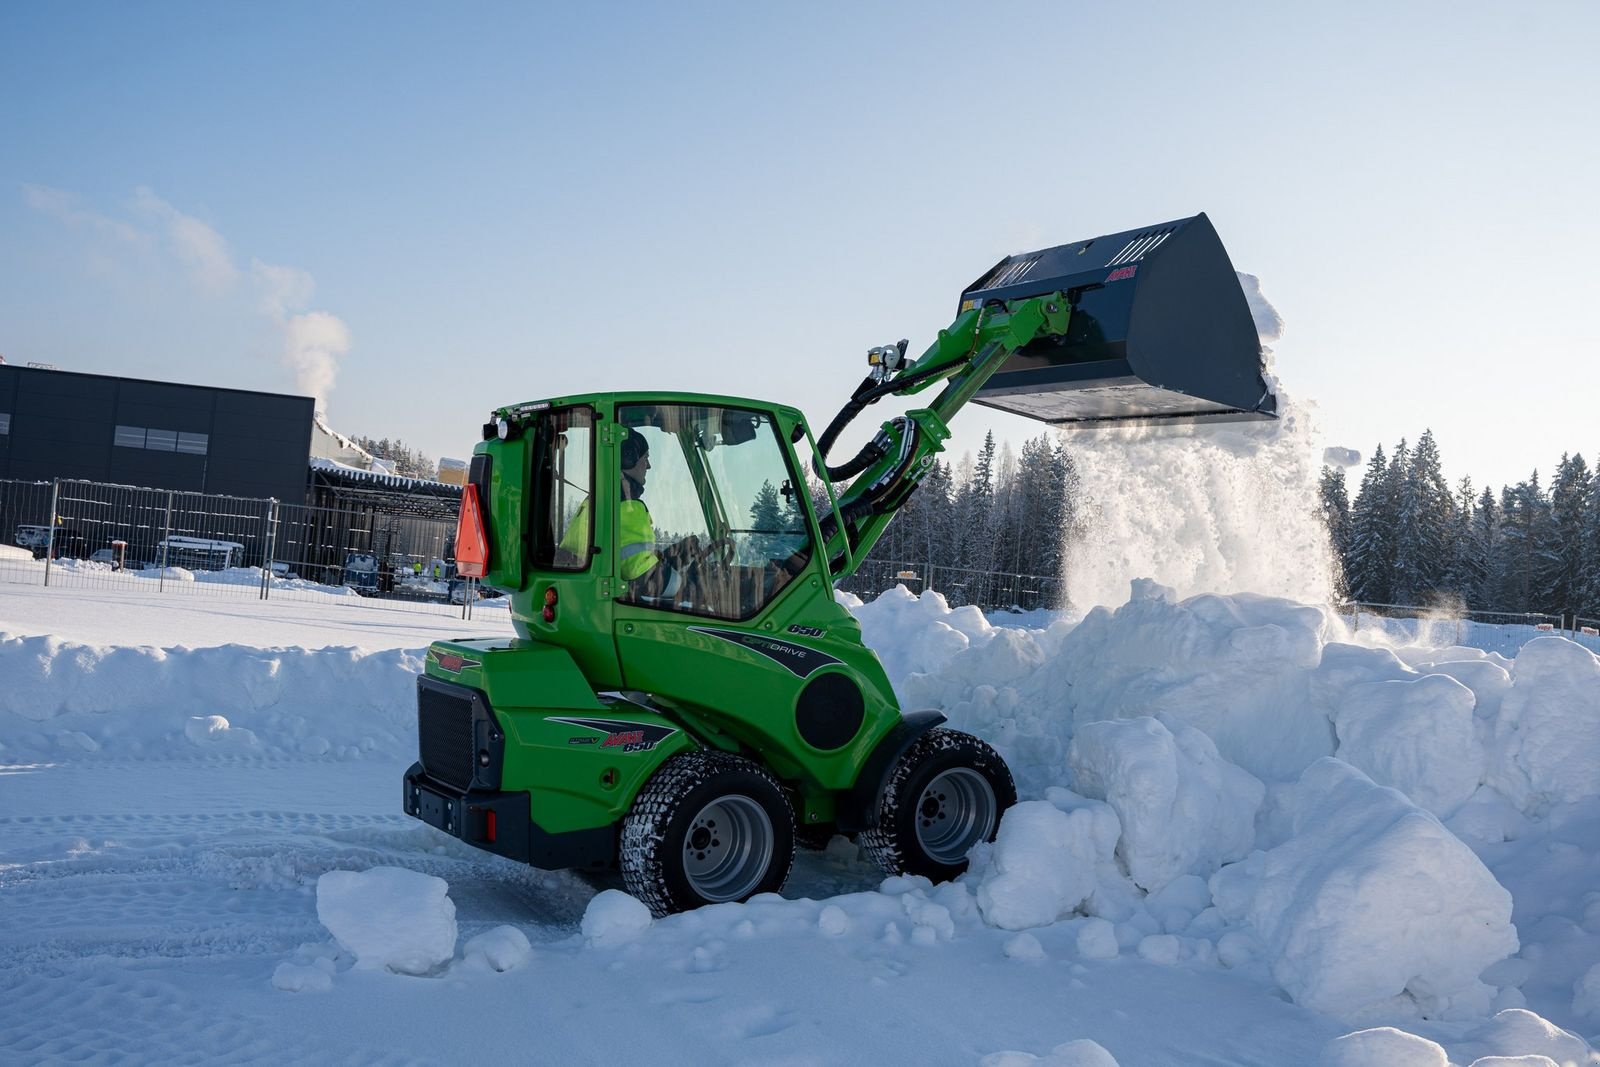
[707, 506]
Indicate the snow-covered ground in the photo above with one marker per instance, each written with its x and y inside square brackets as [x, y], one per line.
[1246, 836]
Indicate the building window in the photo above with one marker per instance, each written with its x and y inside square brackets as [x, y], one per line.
[5, 422]
[194, 444]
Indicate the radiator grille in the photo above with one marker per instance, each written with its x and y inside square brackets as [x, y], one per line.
[445, 737]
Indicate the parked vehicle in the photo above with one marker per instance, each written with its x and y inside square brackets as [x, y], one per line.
[32, 537]
[107, 556]
[198, 553]
[361, 572]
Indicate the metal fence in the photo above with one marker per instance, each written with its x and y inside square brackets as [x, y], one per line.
[1492, 631]
[80, 534]
[960, 586]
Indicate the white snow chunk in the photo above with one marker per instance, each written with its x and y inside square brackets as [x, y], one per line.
[314, 977]
[1416, 735]
[1097, 939]
[1080, 1053]
[833, 921]
[1182, 807]
[1549, 725]
[1043, 863]
[1161, 948]
[614, 918]
[389, 918]
[1515, 1061]
[1371, 898]
[1489, 817]
[1383, 1046]
[1586, 994]
[1519, 1032]
[215, 729]
[1024, 946]
[504, 948]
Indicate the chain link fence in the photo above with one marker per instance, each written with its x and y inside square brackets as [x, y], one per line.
[80, 534]
[960, 586]
[1504, 632]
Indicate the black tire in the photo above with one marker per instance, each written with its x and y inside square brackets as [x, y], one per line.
[814, 837]
[945, 795]
[707, 827]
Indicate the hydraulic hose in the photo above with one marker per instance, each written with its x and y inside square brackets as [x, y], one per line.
[870, 391]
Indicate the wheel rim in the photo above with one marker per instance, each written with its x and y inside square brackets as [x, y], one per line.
[955, 812]
[728, 848]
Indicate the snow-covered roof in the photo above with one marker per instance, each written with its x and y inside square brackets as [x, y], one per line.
[378, 478]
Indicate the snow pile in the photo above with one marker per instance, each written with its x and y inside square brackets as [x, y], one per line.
[123, 701]
[614, 918]
[1182, 808]
[1415, 734]
[505, 948]
[1044, 863]
[1369, 900]
[1548, 731]
[1206, 726]
[1383, 1046]
[389, 918]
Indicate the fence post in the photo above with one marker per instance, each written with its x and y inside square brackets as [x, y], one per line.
[50, 542]
[166, 538]
[266, 550]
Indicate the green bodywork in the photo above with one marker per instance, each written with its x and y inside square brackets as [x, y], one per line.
[685, 679]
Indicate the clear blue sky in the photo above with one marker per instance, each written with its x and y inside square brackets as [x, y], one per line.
[502, 202]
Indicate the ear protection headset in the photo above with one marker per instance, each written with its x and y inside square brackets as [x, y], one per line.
[634, 447]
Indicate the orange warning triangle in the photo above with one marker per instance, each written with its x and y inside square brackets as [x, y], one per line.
[472, 542]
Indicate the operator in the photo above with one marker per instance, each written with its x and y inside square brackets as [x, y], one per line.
[650, 570]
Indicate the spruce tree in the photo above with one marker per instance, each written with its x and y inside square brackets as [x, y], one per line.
[1368, 570]
[1561, 579]
[1335, 500]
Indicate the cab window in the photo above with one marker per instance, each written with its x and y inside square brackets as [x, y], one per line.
[728, 523]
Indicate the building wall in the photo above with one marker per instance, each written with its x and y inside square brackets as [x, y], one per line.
[58, 424]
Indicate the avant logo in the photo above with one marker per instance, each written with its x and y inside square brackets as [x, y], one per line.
[450, 661]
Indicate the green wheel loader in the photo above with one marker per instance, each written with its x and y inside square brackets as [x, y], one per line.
[683, 698]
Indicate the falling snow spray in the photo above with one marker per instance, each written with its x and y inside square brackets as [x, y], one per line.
[1218, 508]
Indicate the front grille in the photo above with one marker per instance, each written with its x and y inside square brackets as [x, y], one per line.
[445, 736]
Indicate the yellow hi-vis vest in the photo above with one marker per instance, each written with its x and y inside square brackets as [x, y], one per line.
[637, 544]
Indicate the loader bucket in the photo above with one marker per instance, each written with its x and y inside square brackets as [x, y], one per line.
[1160, 332]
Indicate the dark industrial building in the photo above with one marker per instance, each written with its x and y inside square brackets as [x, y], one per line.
[126, 431]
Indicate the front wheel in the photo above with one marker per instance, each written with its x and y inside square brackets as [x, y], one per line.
[945, 795]
[708, 827]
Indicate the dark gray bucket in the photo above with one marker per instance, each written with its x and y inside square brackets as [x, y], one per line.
[1160, 332]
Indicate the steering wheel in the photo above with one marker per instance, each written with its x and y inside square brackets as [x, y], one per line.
[695, 554]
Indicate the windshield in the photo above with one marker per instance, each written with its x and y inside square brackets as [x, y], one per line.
[711, 521]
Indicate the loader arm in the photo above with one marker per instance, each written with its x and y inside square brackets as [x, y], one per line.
[890, 467]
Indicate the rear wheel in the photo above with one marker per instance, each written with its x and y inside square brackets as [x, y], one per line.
[708, 827]
[945, 795]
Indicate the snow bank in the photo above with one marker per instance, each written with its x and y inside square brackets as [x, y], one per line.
[129, 700]
[389, 918]
[1182, 808]
[1370, 900]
